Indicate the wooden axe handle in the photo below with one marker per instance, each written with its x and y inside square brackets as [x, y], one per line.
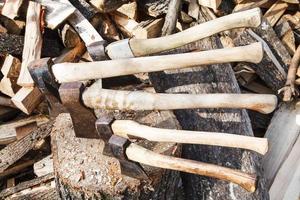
[249, 18]
[142, 155]
[97, 98]
[129, 128]
[71, 72]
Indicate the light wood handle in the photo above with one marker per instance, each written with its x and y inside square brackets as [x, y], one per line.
[70, 72]
[249, 18]
[145, 156]
[97, 98]
[129, 128]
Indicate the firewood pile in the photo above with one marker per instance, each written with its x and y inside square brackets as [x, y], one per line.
[149, 99]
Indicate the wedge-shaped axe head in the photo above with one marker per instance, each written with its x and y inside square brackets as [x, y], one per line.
[118, 147]
[83, 118]
[115, 147]
[40, 71]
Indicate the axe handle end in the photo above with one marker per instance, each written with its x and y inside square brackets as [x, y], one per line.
[132, 129]
[248, 18]
[142, 155]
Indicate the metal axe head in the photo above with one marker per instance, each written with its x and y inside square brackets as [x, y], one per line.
[103, 127]
[115, 146]
[97, 50]
[83, 118]
[118, 147]
[40, 71]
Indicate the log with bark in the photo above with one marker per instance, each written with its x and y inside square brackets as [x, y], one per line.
[273, 68]
[215, 78]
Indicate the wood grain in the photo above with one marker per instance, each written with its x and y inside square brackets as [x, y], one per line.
[27, 99]
[275, 12]
[11, 8]
[8, 131]
[32, 44]
[14, 151]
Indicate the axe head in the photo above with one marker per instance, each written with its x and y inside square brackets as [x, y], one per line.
[103, 127]
[40, 71]
[83, 118]
[97, 50]
[118, 147]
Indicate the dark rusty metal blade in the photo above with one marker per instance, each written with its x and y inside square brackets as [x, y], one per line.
[118, 147]
[83, 118]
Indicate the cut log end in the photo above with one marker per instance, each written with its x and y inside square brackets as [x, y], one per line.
[27, 98]
[82, 170]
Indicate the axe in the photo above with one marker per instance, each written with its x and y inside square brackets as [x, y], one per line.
[76, 99]
[97, 98]
[71, 72]
[141, 47]
[130, 155]
[129, 129]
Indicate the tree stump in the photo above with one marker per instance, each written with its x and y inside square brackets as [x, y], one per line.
[82, 172]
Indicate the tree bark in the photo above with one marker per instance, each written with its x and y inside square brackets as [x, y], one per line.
[154, 8]
[273, 75]
[13, 44]
[171, 17]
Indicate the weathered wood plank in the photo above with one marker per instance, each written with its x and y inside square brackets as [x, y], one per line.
[14, 151]
[282, 133]
[8, 132]
[287, 181]
[26, 185]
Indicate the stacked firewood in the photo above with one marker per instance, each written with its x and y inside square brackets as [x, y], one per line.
[99, 97]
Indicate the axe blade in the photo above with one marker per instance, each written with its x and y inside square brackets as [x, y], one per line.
[40, 71]
[83, 118]
[118, 147]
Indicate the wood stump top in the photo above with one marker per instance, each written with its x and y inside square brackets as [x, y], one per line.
[80, 165]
